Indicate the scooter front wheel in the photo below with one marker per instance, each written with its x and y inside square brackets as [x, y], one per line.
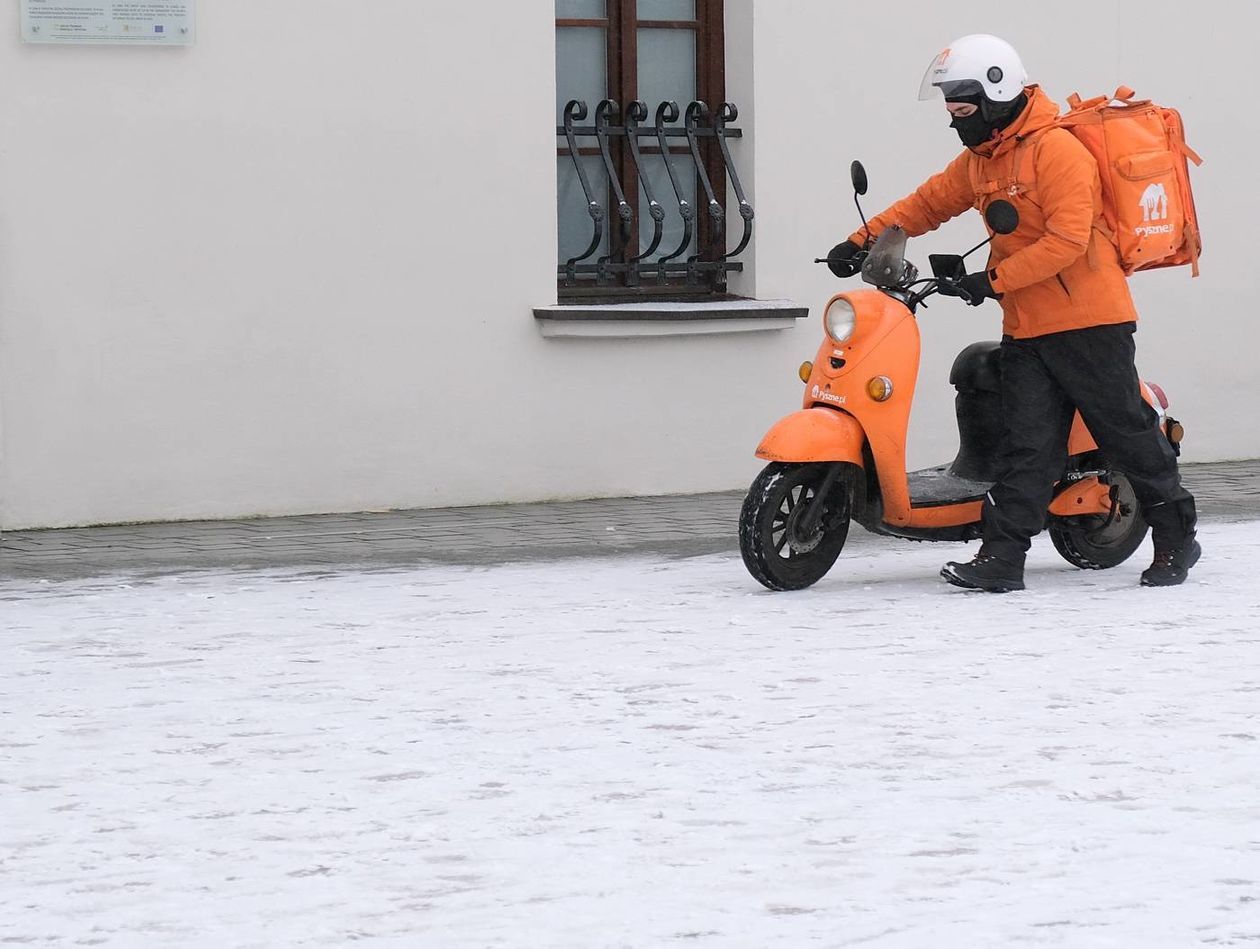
[785, 542]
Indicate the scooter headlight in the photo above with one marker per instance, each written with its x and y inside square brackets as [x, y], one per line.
[840, 320]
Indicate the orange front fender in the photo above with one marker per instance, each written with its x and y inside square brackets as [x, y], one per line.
[816, 434]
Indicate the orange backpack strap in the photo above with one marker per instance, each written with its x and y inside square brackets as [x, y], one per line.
[1091, 253]
[1089, 111]
[983, 189]
[1126, 95]
[980, 189]
[1172, 119]
[1035, 142]
[1188, 151]
[1077, 104]
[1195, 246]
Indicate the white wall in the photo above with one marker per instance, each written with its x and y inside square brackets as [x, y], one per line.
[227, 282]
[245, 277]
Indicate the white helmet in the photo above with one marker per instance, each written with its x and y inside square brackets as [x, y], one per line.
[978, 63]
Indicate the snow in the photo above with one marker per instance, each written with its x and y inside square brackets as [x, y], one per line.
[629, 752]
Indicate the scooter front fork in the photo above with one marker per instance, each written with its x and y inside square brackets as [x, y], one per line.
[813, 514]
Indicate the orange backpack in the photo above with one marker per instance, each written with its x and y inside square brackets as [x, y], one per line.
[1141, 152]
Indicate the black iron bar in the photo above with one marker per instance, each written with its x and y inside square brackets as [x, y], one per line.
[603, 130]
[637, 112]
[728, 113]
[576, 110]
[668, 112]
[695, 113]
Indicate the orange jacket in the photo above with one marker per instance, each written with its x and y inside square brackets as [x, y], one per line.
[1058, 270]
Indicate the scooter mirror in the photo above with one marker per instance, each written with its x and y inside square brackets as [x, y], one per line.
[1001, 217]
[857, 174]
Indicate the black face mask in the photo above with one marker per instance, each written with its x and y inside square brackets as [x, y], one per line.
[973, 130]
[976, 129]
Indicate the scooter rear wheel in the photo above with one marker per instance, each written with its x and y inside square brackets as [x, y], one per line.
[1101, 542]
[778, 550]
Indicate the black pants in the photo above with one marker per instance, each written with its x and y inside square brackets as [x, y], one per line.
[1046, 379]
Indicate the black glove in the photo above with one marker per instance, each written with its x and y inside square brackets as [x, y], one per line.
[977, 287]
[840, 259]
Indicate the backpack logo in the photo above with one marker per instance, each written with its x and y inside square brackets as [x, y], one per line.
[1155, 202]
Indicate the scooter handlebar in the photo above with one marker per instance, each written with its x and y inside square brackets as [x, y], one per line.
[851, 266]
[843, 266]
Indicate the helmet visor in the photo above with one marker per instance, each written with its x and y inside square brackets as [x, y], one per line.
[935, 83]
[937, 72]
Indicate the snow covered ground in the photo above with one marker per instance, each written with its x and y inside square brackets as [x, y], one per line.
[635, 753]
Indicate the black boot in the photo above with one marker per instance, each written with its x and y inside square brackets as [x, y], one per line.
[1176, 550]
[1171, 564]
[985, 572]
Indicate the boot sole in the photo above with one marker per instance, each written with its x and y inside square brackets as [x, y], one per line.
[998, 586]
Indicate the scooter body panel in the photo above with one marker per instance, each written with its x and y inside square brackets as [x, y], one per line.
[885, 342]
[1080, 440]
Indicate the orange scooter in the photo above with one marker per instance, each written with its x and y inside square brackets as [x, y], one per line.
[842, 457]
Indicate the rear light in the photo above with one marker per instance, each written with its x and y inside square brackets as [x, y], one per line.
[1159, 394]
[1175, 432]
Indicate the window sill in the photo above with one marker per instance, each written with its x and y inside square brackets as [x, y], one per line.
[629, 320]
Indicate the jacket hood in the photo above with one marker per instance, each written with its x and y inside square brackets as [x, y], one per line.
[1040, 113]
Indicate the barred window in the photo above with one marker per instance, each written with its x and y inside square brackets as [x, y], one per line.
[654, 52]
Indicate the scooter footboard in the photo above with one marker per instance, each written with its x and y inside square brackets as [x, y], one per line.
[817, 434]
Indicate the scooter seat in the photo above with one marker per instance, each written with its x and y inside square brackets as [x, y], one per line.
[977, 368]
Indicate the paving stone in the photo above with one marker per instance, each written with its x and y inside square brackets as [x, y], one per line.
[671, 526]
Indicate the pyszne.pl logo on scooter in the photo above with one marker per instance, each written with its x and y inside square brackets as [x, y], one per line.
[1154, 203]
[822, 396]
